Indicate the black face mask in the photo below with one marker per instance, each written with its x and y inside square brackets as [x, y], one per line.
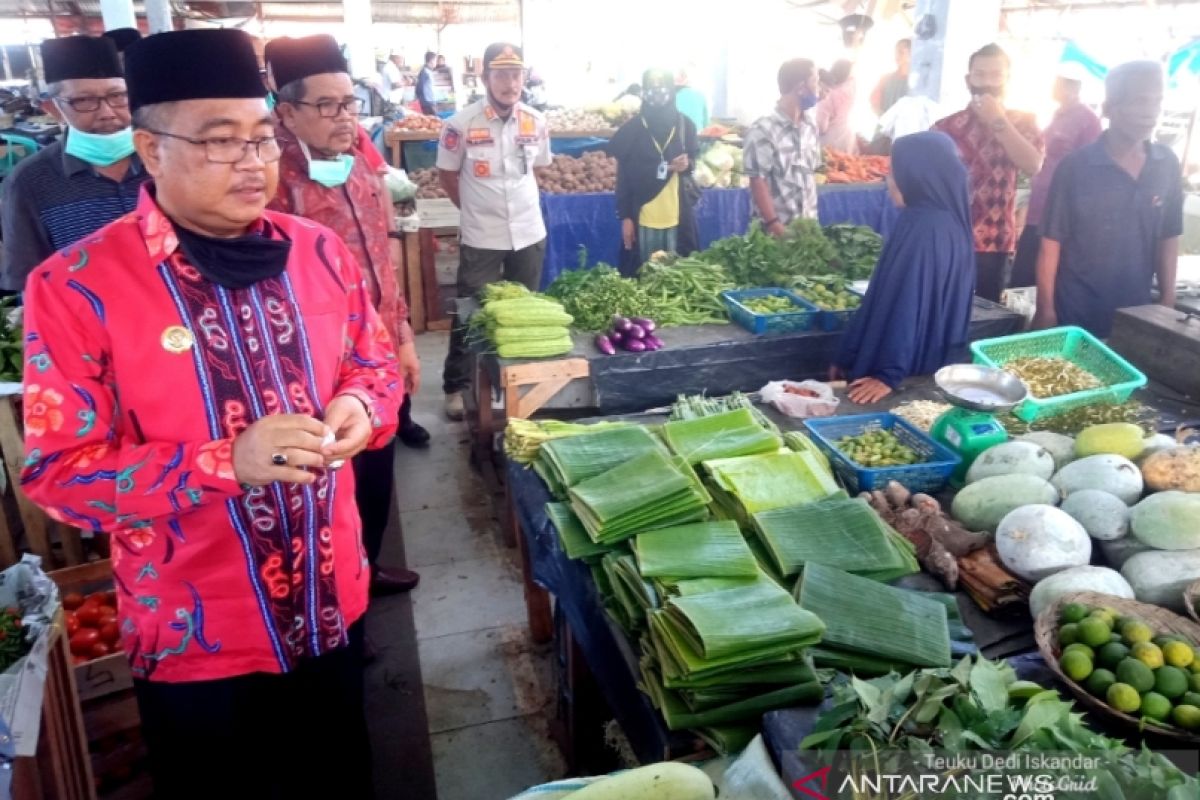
[235, 263]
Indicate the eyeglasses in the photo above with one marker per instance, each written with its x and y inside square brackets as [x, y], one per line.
[229, 149]
[332, 108]
[86, 105]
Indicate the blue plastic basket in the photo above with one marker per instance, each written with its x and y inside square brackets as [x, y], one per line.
[929, 476]
[836, 320]
[802, 319]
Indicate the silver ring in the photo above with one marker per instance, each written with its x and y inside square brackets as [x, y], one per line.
[279, 460]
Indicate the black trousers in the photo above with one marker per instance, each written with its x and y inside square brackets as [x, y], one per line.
[302, 734]
[991, 275]
[1024, 268]
[374, 476]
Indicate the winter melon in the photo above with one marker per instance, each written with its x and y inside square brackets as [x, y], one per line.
[1037, 541]
[1168, 521]
[1060, 446]
[1159, 577]
[1114, 474]
[1104, 516]
[1156, 443]
[1012, 458]
[667, 780]
[1085, 578]
[981, 505]
[1173, 468]
[1119, 438]
[1118, 551]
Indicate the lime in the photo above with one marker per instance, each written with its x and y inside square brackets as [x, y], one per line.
[1082, 648]
[1094, 631]
[1076, 665]
[1178, 654]
[1073, 612]
[1147, 653]
[1107, 614]
[1068, 634]
[1170, 681]
[1112, 654]
[1195, 665]
[1135, 674]
[1155, 706]
[1123, 697]
[1164, 639]
[1194, 680]
[1115, 637]
[1187, 717]
[1099, 681]
[1136, 632]
[1189, 699]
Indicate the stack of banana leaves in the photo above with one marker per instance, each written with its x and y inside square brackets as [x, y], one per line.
[837, 532]
[567, 461]
[872, 628]
[746, 485]
[726, 435]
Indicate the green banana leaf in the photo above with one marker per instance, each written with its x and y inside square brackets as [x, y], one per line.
[680, 663]
[575, 459]
[769, 481]
[734, 433]
[572, 535]
[702, 550]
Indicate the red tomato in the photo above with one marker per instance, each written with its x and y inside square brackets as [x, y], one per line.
[83, 640]
[72, 624]
[110, 633]
[107, 614]
[100, 650]
[99, 598]
[88, 615]
[72, 601]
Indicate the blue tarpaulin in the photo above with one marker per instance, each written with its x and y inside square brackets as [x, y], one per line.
[589, 221]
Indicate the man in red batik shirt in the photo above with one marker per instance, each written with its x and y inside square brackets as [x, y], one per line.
[996, 144]
[196, 373]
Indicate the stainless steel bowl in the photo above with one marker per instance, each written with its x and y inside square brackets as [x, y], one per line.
[980, 388]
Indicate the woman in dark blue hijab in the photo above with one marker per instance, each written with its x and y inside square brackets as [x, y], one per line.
[917, 312]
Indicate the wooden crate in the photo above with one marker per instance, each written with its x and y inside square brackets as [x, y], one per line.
[108, 706]
[1163, 342]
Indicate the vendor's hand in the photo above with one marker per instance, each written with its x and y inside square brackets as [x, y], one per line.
[347, 417]
[680, 163]
[628, 233]
[866, 391]
[987, 108]
[777, 229]
[410, 366]
[1045, 318]
[296, 437]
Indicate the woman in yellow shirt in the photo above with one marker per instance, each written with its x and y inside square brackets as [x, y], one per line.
[655, 153]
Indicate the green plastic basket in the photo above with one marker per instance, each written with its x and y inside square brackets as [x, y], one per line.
[1076, 345]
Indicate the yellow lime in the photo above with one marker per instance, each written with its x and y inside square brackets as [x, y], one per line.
[1155, 706]
[1135, 674]
[1068, 634]
[1136, 632]
[1099, 681]
[1112, 654]
[1107, 614]
[1170, 681]
[1094, 631]
[1163, 639]
[1080, 647]
[1147, 653]
[1073, 612]
[1187, 717]
[1077, 666]
[1123, 697]
[1178, 654]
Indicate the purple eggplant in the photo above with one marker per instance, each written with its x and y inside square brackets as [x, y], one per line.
[648, 325]
[617, 337]
[621, 324]
[635, 345]
[653, 342]
[636, 332]
[605, 345]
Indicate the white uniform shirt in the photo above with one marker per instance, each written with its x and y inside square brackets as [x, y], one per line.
[495, 158]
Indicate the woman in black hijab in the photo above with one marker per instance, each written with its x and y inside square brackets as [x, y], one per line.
[655, 153]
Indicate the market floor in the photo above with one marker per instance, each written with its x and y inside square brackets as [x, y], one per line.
[487, 691]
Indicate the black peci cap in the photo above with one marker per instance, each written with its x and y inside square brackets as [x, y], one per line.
[195, 64]
[294, 59]
[79, 58]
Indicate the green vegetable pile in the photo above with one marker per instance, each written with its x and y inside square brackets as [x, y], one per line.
[11, 341]
[980, 705]
[12, 638]
[877, 449]
[759, 259]
[858, 248]
[828, 292]
[1075, 420]
[685, 291]
[771, 304]
[593, 296]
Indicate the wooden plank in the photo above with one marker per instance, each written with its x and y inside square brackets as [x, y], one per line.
[1163, 343]
[111, 715]
[541, 371]
[433, 300]
[8, 537]
[526, 405]
[71, 540]
[13, 448]
[537, 599]
[414, 282]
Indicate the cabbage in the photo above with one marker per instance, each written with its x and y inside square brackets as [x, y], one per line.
[704, 176]
[719, 158]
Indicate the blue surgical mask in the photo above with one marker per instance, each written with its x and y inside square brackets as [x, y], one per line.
[270, 101]
[808, 100]
[330, 173]
[100, 149]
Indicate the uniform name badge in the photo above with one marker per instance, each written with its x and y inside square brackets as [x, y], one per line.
[482, 169]
[663, 170]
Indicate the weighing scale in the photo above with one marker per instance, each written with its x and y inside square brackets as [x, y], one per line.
[977, 392]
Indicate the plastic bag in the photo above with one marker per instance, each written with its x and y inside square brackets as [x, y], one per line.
[401, 188]
[803, 400]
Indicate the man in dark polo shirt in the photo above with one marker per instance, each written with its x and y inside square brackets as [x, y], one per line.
[74, 187]
[1114, 215]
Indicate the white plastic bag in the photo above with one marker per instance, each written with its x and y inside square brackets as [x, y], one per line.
[805, 399]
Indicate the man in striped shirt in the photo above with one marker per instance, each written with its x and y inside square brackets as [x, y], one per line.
[74, 187]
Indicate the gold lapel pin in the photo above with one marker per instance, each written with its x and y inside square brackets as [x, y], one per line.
[177, 339]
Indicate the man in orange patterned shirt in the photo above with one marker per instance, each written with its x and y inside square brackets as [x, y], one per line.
[996, 144]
